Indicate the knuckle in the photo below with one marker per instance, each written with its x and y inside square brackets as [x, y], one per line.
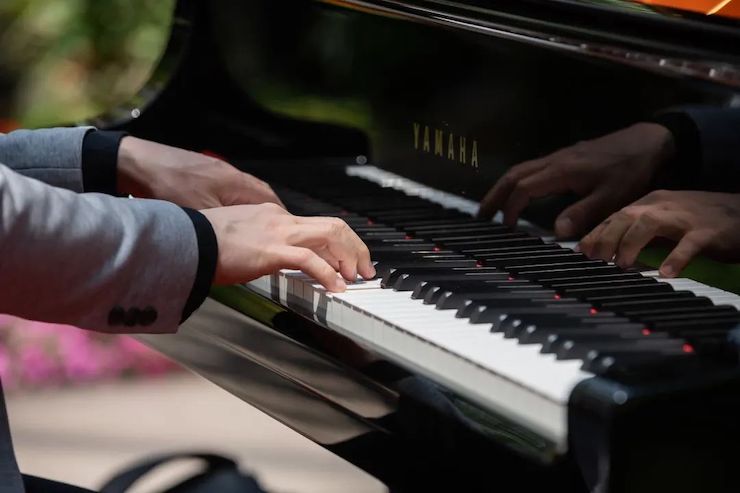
[521, 188]
[659, 195]
[336, 226]
[627, 213]
[303, 257]
[507, 181]
[649, 219]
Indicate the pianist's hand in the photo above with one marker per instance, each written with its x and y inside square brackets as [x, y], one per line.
[608, 172]
[698, 221]
[190, 179]
[254, 240]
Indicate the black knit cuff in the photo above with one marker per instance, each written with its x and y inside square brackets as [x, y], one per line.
[207, 258]
[680, 172]
[100, 161]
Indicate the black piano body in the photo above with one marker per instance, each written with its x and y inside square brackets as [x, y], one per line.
[450, 94]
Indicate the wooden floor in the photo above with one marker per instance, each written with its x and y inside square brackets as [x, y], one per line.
[83, 435]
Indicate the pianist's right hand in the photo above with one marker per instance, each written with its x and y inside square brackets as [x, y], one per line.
[254, 240]
[608, 172]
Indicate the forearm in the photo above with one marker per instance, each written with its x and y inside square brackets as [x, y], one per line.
[707, 149]
[94, 261]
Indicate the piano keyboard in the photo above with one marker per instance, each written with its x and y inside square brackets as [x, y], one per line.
[509, 320]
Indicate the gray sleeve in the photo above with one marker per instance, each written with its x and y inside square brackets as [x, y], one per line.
[52, 155]
[92, 260]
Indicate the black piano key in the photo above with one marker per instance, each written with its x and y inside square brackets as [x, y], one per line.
[381, 235]
[536, 331]
[414, 224]
[615, 275]
[684, 311]
[456, 229]
[566, 340]
[708, 312]
[469, 247]
[626, 297]
[620, 290]
[449, 297]
[390, 256]
[483, 253]
[574, 310]
[626, 307]
[407, 282]
[620, 365]
[459, 239]
[591, 283]
[556, 257]
[384, 268]
[680, 326]
[497, 312]
[583, 349]
[460, 301]
[401, 247]
[582, 264]
[574, 272]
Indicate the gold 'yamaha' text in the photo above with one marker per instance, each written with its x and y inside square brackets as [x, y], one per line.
[445, 144]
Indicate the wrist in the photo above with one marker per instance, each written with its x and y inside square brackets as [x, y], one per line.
[131, 175]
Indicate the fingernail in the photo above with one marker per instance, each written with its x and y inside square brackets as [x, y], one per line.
[340, 286]
[564, 227]
[372, 270]
[667, 271]
[577, 248]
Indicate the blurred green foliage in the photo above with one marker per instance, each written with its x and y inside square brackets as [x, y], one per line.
[66, 60]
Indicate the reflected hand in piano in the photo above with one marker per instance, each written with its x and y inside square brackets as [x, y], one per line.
[630, 157]
[687, 148]
[698, 221]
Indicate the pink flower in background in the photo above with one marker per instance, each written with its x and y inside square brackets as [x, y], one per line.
[37, 366]
[6, 376]
[37, 354]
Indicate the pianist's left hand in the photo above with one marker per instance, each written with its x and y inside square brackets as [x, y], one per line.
[705, 222]
[190, 179]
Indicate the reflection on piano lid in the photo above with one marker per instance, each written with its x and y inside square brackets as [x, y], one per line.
[476, 340]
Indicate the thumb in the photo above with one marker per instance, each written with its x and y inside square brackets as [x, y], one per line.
[577, 218]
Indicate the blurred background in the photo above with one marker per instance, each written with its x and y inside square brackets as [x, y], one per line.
[62, 62]
[67, 60]
[84, 405]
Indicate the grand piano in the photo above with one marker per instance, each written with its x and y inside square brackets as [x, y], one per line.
[398, 116]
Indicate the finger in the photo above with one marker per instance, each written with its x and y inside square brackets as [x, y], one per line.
[539, 184]
[335, 236]
[330, 259]
[646, 227]
[578, 217]
[496, 196]
[649, 225]
[310, 263]
[343, 238]
[688, 248]
[602, 243]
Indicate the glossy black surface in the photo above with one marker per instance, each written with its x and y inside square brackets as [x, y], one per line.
[345, 82]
